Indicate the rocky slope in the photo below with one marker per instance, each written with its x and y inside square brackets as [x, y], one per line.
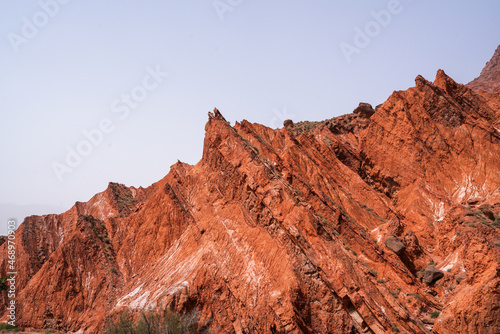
[489, 80]
[365, 223]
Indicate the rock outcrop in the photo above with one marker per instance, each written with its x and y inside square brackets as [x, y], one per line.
[285, 230]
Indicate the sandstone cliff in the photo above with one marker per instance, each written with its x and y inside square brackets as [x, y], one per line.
[365, 223]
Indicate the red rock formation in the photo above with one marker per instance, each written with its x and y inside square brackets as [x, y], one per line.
[284, 231]
[489, 80]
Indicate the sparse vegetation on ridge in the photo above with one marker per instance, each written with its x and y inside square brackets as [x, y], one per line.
[101, 232]
[123, 198]
[305, 126]
[8, 328]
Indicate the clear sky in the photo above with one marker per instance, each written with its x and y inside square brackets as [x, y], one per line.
[97, 91]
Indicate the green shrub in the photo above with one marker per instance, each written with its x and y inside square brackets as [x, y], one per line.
[366, 207]
[395, 293]
[496, 223]
[153, 322]
[3, 284]
[381, 281]
[477, 214]
[434, 314]
[8, 327]
[395, 329]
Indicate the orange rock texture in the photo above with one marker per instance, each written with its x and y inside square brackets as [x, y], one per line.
[384, 220]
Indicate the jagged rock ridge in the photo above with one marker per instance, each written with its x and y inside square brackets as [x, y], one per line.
[365, 223]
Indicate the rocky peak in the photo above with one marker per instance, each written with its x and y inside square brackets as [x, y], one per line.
[420, 81]
[216, 115]
[489, 79]
[444, 82]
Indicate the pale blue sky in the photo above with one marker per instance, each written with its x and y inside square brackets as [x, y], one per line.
[255, 60]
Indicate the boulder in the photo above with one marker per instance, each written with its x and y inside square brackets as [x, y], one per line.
[395, 245]
[431, 275]
[428, 320]
[460, 277]
[288, 123]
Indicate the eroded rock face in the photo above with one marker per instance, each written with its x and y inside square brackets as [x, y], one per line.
[282, 231]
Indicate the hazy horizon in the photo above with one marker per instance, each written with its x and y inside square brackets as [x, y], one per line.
[97, 92]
